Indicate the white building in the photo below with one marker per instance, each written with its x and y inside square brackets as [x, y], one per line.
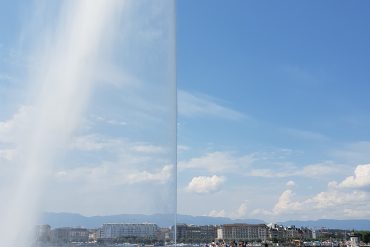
[116, 230]
[354, 241]
[42, 233]
[220, 234]
[69, 234]
[246, 232]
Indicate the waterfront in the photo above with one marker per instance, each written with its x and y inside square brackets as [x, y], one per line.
[252, 244]
[40, 244]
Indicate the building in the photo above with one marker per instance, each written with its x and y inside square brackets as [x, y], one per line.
[42, 233]
[276, 232]
[119, 230]
[314, 236]
[354, 240]
[307, 233]
[220, 234]
[60, 235]
[164, 234]
[281, 233]
[243, 232]
[93, 234]
[69, 234]
[196, 234]
[292, 232]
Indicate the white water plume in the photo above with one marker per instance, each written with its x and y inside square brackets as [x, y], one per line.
[61, 85]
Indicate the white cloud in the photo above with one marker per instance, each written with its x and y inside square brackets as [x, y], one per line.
[320, 169]
[260, 212]
[345, 199]
[305, 134]
[205, 185]
[7, 154]
[357, 213]
[215, 213]
[93, 142]
[145, 148]
[268, 173]
[290, 170]
[191, 105]
[217, 162]
[360, 179]
[336, 198]
[111, 174]
[182, 148]
[121, 161]
[11, 129]
[242, 211]
[162, 176]
[290, 184]
[286, 203]
[223, 161]
[109, 121]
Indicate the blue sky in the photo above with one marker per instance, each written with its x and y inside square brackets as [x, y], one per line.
[292, 78]
[273, 119]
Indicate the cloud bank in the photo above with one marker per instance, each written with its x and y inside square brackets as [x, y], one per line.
[205, 185]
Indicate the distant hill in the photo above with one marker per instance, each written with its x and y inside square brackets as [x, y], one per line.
[166, 220]
[207, 220]
[162, 220]
[331, 224]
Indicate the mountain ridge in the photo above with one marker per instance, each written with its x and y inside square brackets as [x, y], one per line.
[166, 220]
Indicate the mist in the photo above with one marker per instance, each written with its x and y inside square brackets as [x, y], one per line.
[72, 55]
